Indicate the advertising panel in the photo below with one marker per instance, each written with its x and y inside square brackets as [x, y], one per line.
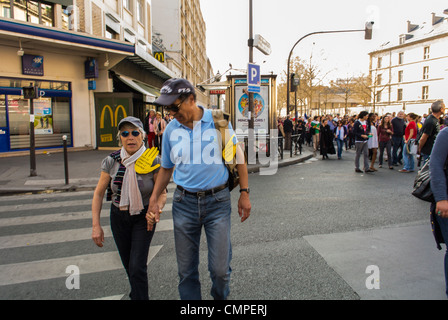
[261, 110]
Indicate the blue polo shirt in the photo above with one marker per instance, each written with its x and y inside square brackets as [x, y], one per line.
[195, 154]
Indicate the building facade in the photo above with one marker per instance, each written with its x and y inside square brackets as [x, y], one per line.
[93, 62]
[181, 31]
[411, 74]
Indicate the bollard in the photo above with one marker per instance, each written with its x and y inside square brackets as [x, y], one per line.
[64, 138]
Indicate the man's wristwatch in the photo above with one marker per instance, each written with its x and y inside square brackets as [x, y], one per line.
[245, 190]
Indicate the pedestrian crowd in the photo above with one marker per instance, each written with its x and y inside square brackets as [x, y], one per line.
[401, 139]
[396, 138]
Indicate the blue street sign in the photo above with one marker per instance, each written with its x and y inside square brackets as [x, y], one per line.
[253, 78]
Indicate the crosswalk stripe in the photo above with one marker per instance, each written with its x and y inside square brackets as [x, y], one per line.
[56, 268]
[57, 217]
[61, 236]
[54, 204]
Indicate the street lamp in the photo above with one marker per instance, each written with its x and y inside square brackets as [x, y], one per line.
[367, 35]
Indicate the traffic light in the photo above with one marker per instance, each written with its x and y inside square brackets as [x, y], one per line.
[293, 83]
[31, 92]
[368, 30]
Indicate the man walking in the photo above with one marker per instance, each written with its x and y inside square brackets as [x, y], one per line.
[430, 130]
[398, 126]
[360, 131]
[202, 197]
[288, 128]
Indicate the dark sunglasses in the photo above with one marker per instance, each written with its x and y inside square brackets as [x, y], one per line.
[135, 133]
[175, 108]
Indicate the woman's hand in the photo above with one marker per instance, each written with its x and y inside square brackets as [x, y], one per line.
[98, 235]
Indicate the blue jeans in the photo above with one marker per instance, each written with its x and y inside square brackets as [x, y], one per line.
[397, 143]
[408, 160]
[133, 240]
[340, 144]
[190, 214]
[443, 223]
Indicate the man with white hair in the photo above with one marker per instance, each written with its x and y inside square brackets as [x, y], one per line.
[398, 125]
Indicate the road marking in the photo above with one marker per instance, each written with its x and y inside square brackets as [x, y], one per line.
[57, 217]
[56, 268]
[61, 236]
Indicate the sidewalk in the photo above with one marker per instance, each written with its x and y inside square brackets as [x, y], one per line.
[83, 167]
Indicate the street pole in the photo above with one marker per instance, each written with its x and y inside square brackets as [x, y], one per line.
[307, 35]
[32, 141]
[251, 134]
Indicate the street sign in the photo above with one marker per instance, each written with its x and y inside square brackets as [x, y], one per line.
[261, 44]
[253, 78]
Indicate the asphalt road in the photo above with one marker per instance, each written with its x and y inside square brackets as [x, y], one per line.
[280, 253]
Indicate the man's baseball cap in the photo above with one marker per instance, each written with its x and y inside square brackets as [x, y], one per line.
[132, 120]
[172, 89]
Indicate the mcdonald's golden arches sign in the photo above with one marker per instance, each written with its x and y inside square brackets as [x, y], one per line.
[160, 56]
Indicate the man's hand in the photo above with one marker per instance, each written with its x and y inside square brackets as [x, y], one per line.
[442, 208]
[244, 206]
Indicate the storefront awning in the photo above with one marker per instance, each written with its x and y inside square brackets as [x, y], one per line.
[151, 64]
[145, 90]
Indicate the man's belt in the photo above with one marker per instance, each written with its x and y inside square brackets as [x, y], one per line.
[201, 194]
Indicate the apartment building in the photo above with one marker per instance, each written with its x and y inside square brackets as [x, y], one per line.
[411, 73]
[92, 64]
[181, 31]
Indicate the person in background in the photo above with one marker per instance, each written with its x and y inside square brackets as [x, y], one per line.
[326, 140]
[385, 132]
[430, 130]
[361, 133]
[439, 187]
[398, 125]
[159, 127]
[372, 143]
[129, 193]
[149, 128]
[288, 128]
[340, 133]
[410, 133]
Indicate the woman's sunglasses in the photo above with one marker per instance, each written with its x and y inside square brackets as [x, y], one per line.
[135, 133]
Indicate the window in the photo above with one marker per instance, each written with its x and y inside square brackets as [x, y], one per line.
[378, 97]
[400, 76]
[38, 12]
[425, 92]
[111, 34]
[380, 59]
[379, 78]
[127, 4]
[140, 12]
[425, 73]
[399, 94]
[426, 53]
[401, 58]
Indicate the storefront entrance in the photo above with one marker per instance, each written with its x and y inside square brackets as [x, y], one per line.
[52, 114]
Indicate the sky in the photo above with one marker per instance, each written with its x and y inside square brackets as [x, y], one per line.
[283, 22]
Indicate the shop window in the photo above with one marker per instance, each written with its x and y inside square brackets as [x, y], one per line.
[19, 115]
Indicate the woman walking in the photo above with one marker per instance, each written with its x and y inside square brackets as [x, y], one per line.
[385, 132]
[129, 192]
